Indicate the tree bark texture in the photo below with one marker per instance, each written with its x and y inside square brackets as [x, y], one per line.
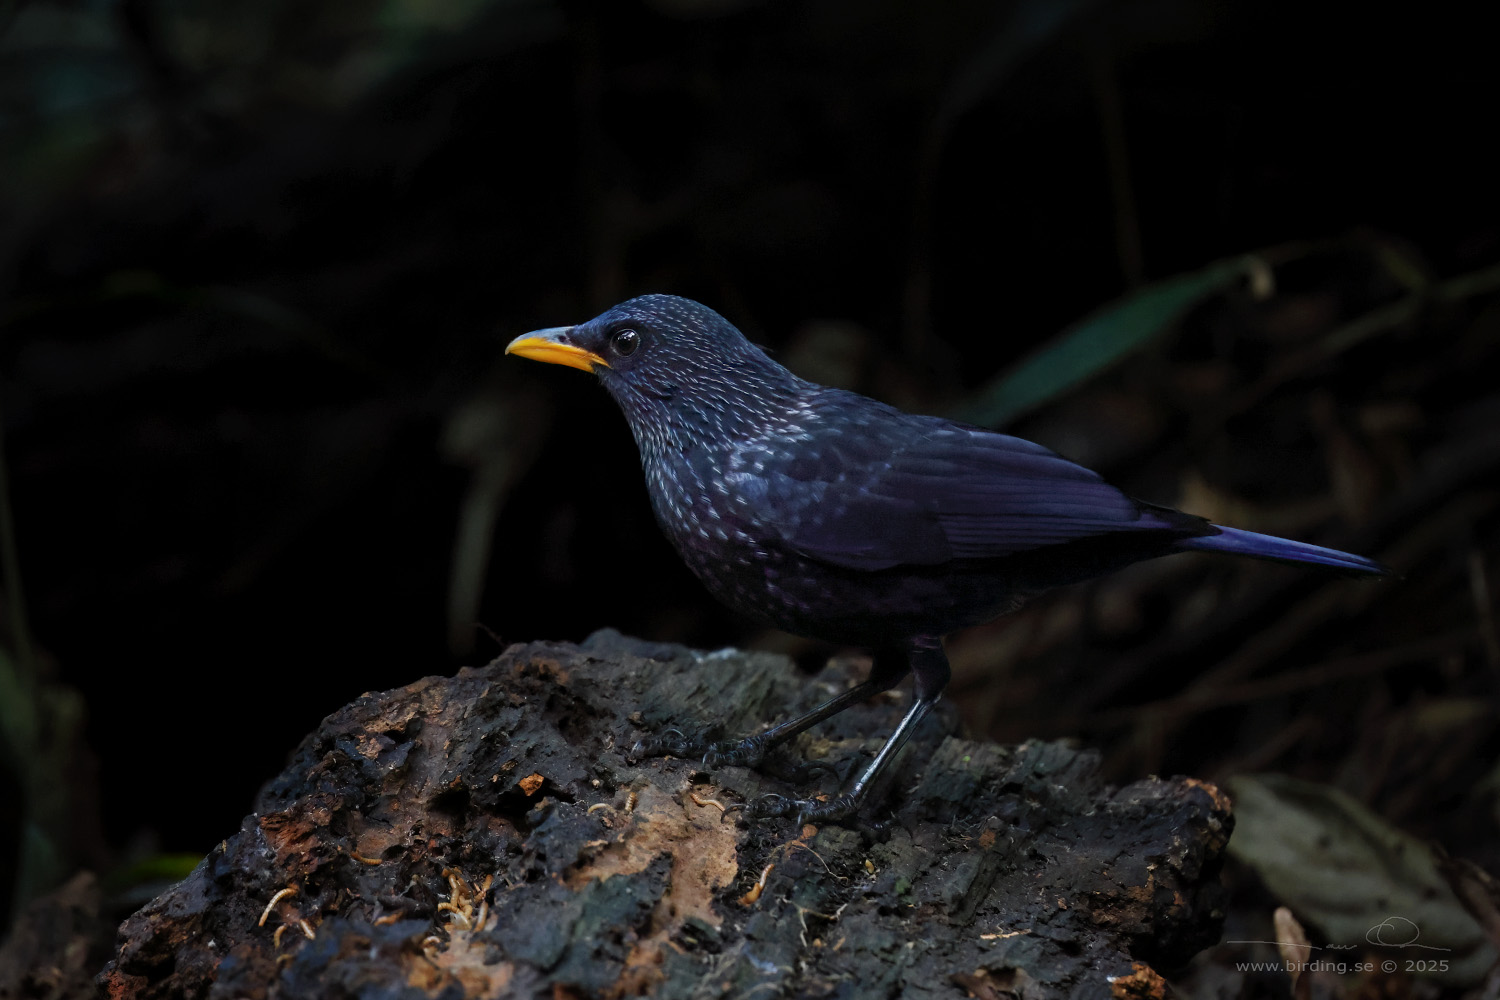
[487, 835]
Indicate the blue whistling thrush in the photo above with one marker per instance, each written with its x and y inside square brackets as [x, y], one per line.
[832, 515]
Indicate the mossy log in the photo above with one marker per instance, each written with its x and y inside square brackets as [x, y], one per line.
[487, 835]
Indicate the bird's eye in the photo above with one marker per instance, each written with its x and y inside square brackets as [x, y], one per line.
[625, 342]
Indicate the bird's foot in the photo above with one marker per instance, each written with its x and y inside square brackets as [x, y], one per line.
[773, 806]
[669, 743]
[747, 752]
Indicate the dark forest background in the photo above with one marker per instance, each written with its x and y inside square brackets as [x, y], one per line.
[259, 262]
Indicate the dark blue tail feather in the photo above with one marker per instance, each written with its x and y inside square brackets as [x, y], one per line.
[1250, 543]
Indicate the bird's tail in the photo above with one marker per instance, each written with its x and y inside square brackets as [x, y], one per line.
[1251, 543]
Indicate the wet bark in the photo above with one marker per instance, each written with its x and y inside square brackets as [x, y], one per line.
[487, 835]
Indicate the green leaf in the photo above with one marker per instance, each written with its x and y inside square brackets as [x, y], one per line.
[152, 870]
[1097, 342]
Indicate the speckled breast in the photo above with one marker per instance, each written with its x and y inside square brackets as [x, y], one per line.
[782, 588]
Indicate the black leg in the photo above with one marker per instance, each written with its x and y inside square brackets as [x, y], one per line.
[748, 752]
[930, 666]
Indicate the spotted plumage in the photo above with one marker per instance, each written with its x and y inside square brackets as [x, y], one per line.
[832, 515]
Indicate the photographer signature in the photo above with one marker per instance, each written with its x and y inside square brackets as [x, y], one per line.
[1392, 932]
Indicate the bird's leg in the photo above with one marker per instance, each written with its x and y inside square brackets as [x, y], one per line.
[750, 751]
[929, 666]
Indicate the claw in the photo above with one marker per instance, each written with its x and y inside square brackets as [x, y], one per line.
[773, 806]
[838, 808]
[735, 753]
[667, 743]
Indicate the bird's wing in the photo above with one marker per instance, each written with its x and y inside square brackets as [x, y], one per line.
[924, 491]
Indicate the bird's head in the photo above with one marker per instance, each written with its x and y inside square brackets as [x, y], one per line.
[664, 357]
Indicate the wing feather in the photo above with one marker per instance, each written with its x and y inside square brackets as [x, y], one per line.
[921, 491]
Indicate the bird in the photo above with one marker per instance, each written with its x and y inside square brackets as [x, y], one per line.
[829, 514]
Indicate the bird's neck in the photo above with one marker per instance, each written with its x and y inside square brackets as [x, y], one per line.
[709, 416]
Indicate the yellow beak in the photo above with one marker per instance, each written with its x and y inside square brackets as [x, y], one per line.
[552, 346]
